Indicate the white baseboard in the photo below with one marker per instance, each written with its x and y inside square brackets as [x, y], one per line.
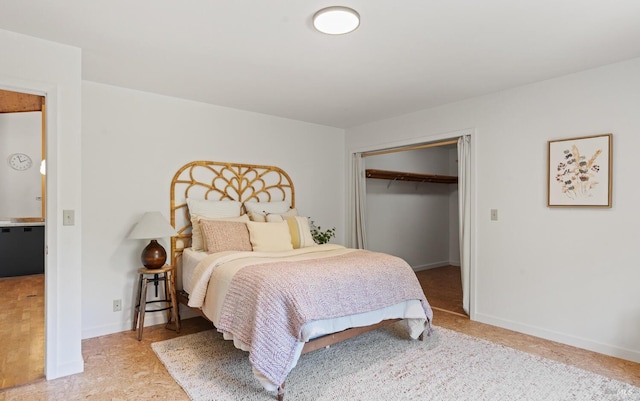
[567, 339]
[65, 369]
[103, 330]
[433, 265]
[150, 319]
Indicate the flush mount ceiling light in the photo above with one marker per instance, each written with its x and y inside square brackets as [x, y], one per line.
[336, 20]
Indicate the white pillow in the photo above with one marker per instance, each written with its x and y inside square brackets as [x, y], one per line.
[267, 207]
[214, 209]
[209, 209]
[269, 237]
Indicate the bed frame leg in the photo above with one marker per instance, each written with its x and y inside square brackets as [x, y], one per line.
[281, 392]
[425, 333]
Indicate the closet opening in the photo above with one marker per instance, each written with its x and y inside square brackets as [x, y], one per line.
[411, 202]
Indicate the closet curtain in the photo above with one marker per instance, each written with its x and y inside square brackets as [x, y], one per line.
[464, 215]
[360, 194]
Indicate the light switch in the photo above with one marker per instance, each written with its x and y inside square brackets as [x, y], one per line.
[68, 218]
[494, 214]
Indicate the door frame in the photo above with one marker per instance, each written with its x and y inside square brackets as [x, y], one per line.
[54, 366]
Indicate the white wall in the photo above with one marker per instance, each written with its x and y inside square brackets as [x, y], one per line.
[21, 191]
[133, 143]
[409, 219]
[568, 274]
[45, 68]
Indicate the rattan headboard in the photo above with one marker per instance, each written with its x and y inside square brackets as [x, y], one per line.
[219, 181]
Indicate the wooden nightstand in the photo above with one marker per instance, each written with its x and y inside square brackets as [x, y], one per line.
[146, 276]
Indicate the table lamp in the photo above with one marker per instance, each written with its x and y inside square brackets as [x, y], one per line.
[152, 226]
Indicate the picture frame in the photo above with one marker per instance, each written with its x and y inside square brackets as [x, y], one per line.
[580, 171]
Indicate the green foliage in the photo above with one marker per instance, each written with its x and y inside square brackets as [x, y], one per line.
[322, 237]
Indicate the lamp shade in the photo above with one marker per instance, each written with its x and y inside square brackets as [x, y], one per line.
[152, 225]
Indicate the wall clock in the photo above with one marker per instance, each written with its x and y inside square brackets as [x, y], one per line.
[20, 161]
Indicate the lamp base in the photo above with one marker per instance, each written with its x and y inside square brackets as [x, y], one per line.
[153, 255]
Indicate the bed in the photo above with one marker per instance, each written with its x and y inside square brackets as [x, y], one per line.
[247, 262]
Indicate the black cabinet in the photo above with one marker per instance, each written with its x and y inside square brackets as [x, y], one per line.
[21, 250]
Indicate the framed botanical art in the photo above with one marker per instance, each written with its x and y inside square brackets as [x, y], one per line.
[579, 171]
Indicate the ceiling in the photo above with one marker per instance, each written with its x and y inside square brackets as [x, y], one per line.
[264, 56]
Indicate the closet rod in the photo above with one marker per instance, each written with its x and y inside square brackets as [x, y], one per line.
[414, 147]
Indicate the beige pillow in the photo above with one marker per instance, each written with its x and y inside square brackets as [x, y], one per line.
[269, 237]
[197, 239]
[222, 236]
[300, 232]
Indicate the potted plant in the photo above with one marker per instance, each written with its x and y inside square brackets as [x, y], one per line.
[322, 237]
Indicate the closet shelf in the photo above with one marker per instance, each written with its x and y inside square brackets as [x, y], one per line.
[402, 176]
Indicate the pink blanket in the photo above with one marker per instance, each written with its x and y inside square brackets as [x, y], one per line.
[268, 304]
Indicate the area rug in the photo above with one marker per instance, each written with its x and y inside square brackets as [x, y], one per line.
[386, 365]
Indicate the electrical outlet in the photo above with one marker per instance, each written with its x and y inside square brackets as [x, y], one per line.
[117, 305]
[494, 214]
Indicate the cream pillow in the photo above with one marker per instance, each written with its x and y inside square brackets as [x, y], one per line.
[300, 232]
[220, 235]
[269, 237]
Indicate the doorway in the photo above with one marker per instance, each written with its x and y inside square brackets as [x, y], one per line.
[22, 227]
